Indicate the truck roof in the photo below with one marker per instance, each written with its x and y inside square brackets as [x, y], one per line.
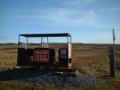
[47, 35]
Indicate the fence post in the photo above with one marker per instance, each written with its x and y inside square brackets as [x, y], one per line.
[112, 61]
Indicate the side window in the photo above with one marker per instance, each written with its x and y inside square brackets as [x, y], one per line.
[63, 53]
[22, 45]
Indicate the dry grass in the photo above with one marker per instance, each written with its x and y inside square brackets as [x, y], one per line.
[8, 56]
[90, 59]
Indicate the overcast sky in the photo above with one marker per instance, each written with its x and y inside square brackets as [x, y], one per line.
[88, 21]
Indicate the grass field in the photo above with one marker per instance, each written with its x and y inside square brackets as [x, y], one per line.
[91, 60]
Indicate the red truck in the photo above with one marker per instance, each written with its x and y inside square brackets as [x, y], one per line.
[41, 54]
